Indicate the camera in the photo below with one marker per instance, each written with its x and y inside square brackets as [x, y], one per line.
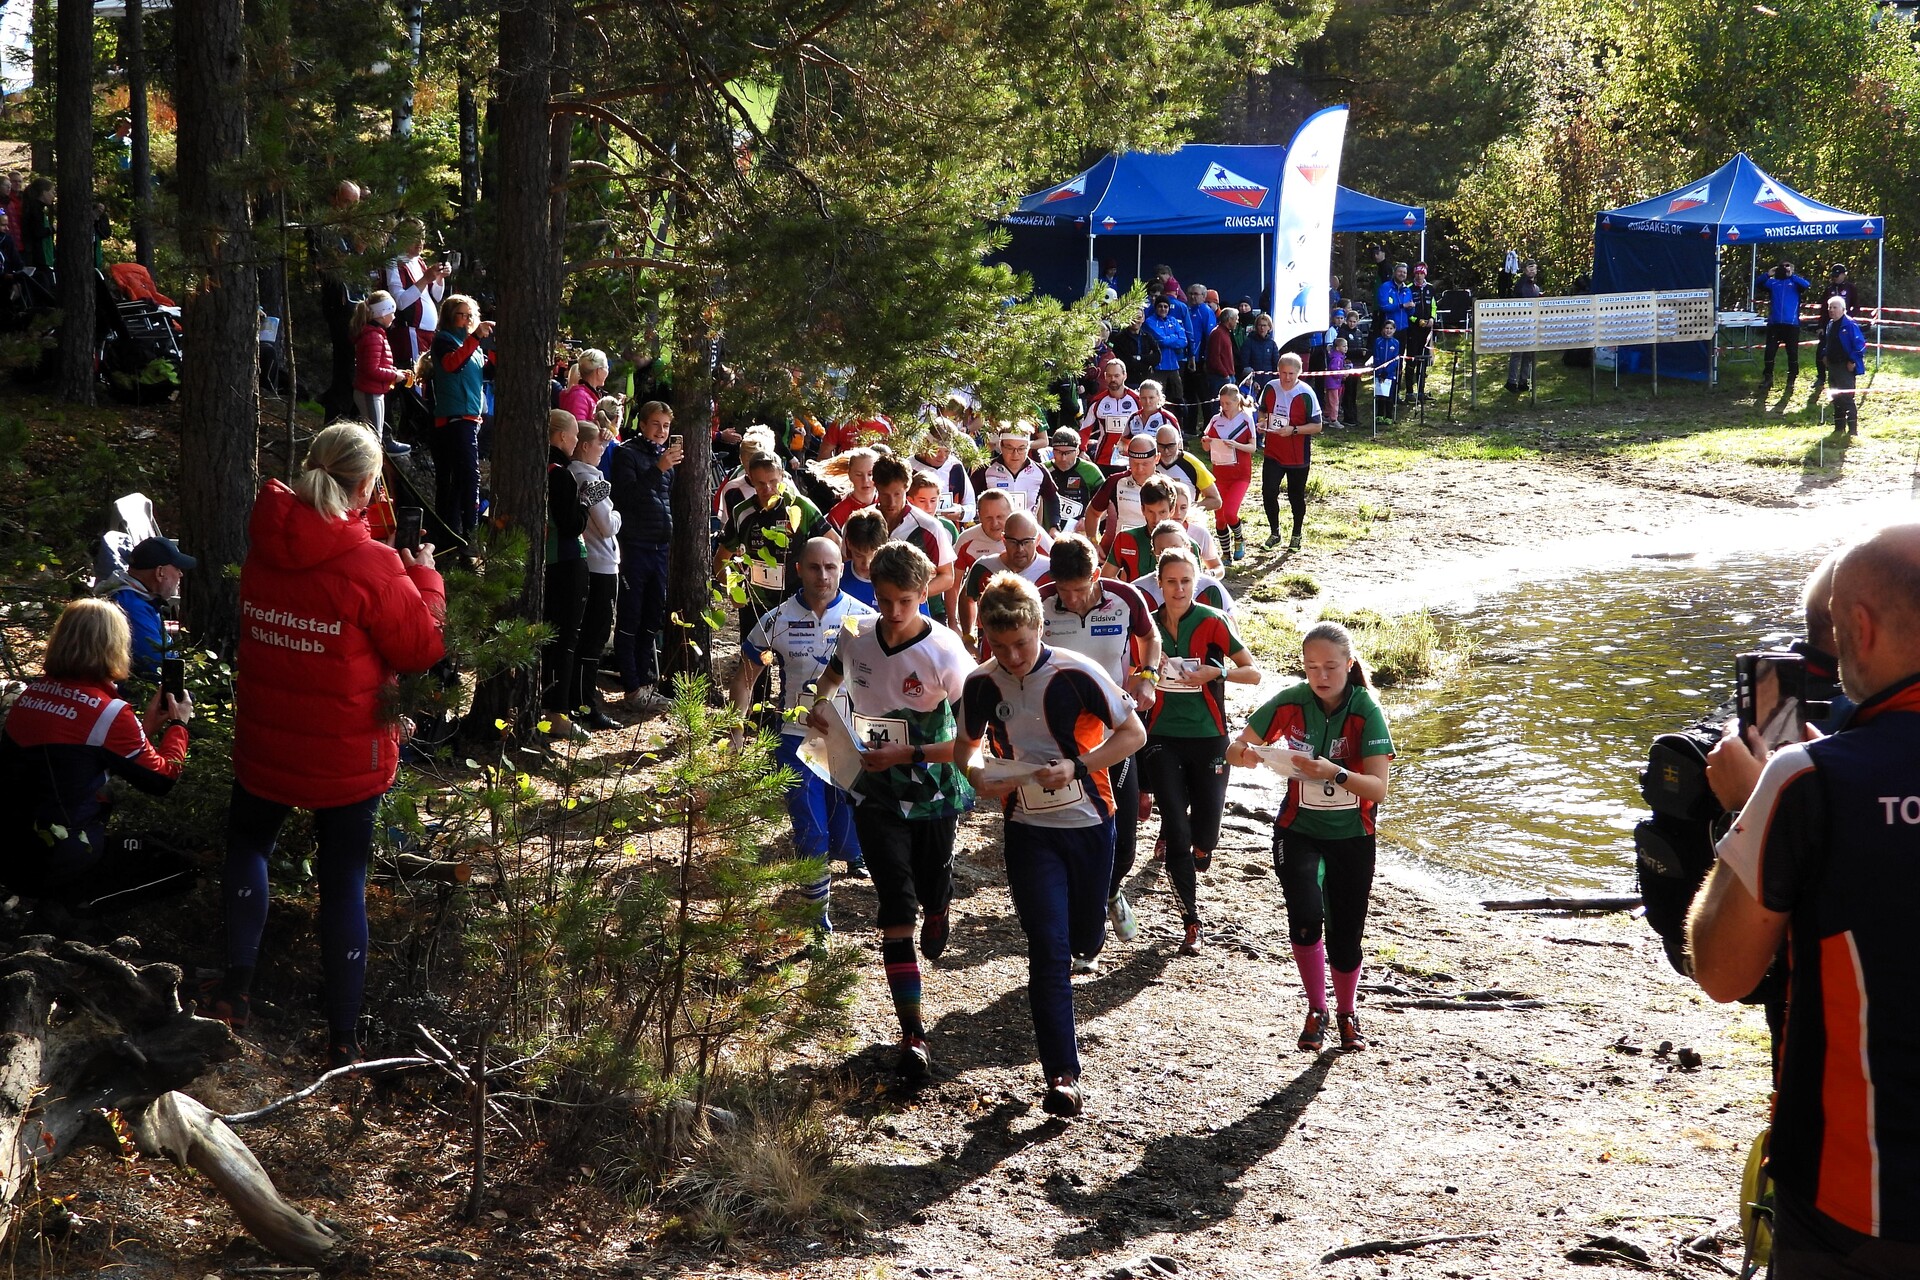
[173, 676]
[407, 531]
[1770, 694]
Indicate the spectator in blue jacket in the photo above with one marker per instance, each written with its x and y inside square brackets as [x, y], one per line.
[1172, 336]
[1394, 297]
[1386, 369]
[1845, 349]
[1170, 287]
[141, 591]
[641, 473]
[1783, 320]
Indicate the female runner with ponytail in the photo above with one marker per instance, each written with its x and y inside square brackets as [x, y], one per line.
[1337, 754]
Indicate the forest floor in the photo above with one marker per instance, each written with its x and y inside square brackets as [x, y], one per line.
[1516, 1091]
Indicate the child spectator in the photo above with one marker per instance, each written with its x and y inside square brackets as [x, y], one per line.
[374, 374]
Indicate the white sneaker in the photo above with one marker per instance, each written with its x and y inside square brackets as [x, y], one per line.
[1085, 964]
[1120, 916]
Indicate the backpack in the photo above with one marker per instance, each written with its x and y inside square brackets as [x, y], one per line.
[1674, 848]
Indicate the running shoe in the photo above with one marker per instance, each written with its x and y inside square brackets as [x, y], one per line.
[1063, 1098]
[1293, 544]
[856, 870]
[1273, 541]
[915, 1064]
[214, 1002]
[1084, 965]
[1313, 1036]
[1351, 1041]
[343, 1055]
[1190, 945]
[934, 931]
[396, 449]
[1203, 859]
[1120, 916]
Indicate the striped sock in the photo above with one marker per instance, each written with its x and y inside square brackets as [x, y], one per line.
[815, 891]
[903, 980]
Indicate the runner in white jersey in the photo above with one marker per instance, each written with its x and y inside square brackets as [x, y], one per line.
[1110, 624]
[956, 486]
[1014, 472]
[1103, 428]
[1054, 714]
[903, 673]
[1023, 554]
[908, 523]
[1116, 504]
[801, 635]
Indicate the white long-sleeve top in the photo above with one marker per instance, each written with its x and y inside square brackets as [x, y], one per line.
[603, 524]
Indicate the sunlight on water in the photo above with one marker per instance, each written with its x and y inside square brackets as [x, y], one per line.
[1524, 774]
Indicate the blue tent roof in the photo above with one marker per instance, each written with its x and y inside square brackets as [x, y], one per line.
[1197, 190]
[1739, 203]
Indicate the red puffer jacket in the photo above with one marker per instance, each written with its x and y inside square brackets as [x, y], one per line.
[327, 616]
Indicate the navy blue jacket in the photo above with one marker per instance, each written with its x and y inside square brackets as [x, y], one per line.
[642, 493]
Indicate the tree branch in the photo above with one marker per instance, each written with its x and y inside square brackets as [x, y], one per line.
[649, 264]
[591, 111]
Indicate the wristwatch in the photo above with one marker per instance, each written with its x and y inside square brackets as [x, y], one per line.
[1340, 778]
[1080, 769]
[919, 755]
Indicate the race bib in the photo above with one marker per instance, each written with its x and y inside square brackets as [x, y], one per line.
[1113, 424]
[1071, 511]
[1019, 499]
[1315, 794]
[880, 731]
[1222, 452]
[1384, 387]
[769, 577]
[1035, 798]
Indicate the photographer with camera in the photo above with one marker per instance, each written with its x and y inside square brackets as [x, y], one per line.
[1783, 321]
[145, 591]
[66, 734]
[328, 619]
[1825, 858]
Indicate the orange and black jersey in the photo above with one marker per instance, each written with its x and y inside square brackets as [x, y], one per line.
[1062, 709]
[1831, 838]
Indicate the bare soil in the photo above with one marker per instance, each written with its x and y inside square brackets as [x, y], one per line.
[1542, 1104]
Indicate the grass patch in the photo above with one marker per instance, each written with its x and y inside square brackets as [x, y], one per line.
[1272, 638]
[1289, 585]
[1322, 485]
[775, 1171]
[1398, 649]
[1371, 511]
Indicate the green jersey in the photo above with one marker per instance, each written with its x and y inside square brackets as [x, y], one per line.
[1347, 736]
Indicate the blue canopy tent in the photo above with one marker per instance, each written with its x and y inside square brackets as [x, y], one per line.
[1673, 241]
[1219, 201]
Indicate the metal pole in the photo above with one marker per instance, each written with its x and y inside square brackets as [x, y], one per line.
[1713, 362]
[1263, 262]
[1423, 244]
[1137, 242]
[1656, 348]
[1880, 299]
[1753, 279]
[1093, 267]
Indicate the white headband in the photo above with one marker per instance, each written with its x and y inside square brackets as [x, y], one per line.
[384, 307]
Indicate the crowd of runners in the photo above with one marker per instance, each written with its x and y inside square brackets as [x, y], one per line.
[1047, 634]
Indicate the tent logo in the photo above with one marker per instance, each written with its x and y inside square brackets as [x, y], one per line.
[1867, 226]
[1223, 183]
[1067, 190]
[1108, 222]
[1774, 197]
[1733, 233]
[1692, 199]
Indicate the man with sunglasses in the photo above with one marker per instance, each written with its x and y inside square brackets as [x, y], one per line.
[1172, 458]
[1022, 554]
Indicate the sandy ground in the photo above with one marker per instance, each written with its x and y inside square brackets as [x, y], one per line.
[1536, 1115]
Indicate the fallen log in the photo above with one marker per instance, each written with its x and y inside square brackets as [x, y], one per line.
[1561, 904]
[1470, 1006]
[1373, 1248]
[193, 1137]
[411, 866]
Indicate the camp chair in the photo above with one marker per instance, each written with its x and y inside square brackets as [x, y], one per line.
[132, 282]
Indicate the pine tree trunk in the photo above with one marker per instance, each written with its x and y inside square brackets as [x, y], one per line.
[45, 38]
[686, 645]
[73, 148]
[133, 45]
[526, 278]
[220, 380]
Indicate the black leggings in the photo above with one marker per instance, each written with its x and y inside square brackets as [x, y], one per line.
[596, 628]
[1342, 909]
[1188, 777]
[566, 601]
[1296, 482]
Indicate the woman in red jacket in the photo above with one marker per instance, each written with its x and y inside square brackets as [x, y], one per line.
[328, 616]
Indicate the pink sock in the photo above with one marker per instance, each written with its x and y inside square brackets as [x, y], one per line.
[1312, 963]
[1346, 985]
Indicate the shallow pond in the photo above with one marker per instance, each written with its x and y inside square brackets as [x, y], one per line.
[1523, 775]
